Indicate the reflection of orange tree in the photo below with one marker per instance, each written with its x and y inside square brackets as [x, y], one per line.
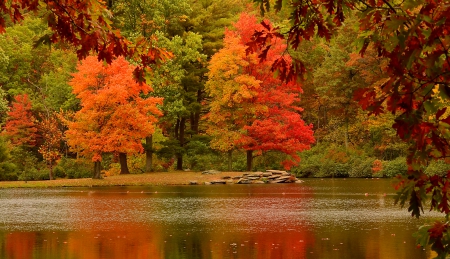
[135, 242]
[121, 238]
[19, 245]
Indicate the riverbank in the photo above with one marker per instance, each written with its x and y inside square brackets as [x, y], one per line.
[147, 179]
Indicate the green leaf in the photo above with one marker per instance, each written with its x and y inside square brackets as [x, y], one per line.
[422, 236]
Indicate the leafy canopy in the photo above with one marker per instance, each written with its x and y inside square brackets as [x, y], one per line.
[114, 117]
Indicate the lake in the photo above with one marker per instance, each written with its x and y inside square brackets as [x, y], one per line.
[329, 218]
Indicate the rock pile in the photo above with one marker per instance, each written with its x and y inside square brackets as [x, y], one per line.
[270, 176]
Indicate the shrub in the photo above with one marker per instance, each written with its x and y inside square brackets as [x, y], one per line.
[437, 167]
[361, 167]
[394, 167]
[74, 168]
[8, 172]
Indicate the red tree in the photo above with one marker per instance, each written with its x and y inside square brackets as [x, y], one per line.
[262, 110]
[20, 126]
[414, 37]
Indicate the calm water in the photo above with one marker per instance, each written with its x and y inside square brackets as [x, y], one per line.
[317, 219]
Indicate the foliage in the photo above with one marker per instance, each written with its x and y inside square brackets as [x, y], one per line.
[412, 36]
[251, 109]
[7, 169]
[145, 18]
[113, 117]
[210, 18]
[437, 167]
[394, 167]
[86, 25]
[73, 168]
[21, 126]
[179, 83]
[52, 136]
[324, 160]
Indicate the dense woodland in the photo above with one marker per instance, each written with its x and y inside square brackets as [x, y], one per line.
[324, 88]
[209, 105]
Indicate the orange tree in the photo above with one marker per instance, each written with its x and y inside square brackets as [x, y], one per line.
[113, 118]
[251, 109]
[414, 37]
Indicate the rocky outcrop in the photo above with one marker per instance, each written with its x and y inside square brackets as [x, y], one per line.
[270, 176]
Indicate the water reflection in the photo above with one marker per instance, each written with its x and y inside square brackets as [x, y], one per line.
[317, 219]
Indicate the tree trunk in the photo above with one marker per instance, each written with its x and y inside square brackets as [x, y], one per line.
[230, 160]
[179, 162]
[123, 163]
[181, 128]
[50, 173]
[149, 154]
[97, 170]
[346, 135]
[249, 160]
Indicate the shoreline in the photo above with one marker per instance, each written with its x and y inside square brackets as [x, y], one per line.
[145, 179]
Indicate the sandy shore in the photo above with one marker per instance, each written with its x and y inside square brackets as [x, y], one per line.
[147, 179]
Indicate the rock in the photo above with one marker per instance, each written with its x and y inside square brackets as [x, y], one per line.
[275, 171]
[284, 177]
[230, 181]
[273, 177]
[253, 177]
[236, 178]
[211, 172]
[267, 174]
[226, 177]
[244, 181]
[218, 182]
[258, 182]
[207, 183]
[299, 181]
[285, 173]
[193, 182]
[276, 181]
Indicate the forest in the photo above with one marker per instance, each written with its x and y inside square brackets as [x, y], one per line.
[322, 88]
[208, 105]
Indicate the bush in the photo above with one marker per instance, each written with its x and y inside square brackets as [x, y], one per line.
[394, 167]
[361, 167]
[34, 174]
[74, 168]
[437, 167]
[8, 172]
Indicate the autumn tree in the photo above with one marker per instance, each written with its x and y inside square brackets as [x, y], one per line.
[413, 36]
[114, 118]
[50, 148]
[251, 109]
[21, 126]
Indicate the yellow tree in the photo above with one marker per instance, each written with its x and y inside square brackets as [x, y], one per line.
[113, 118]
[52, 137]
[232, 92]
[250, 108]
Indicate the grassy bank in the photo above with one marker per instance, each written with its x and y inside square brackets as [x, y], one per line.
[148, 179]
